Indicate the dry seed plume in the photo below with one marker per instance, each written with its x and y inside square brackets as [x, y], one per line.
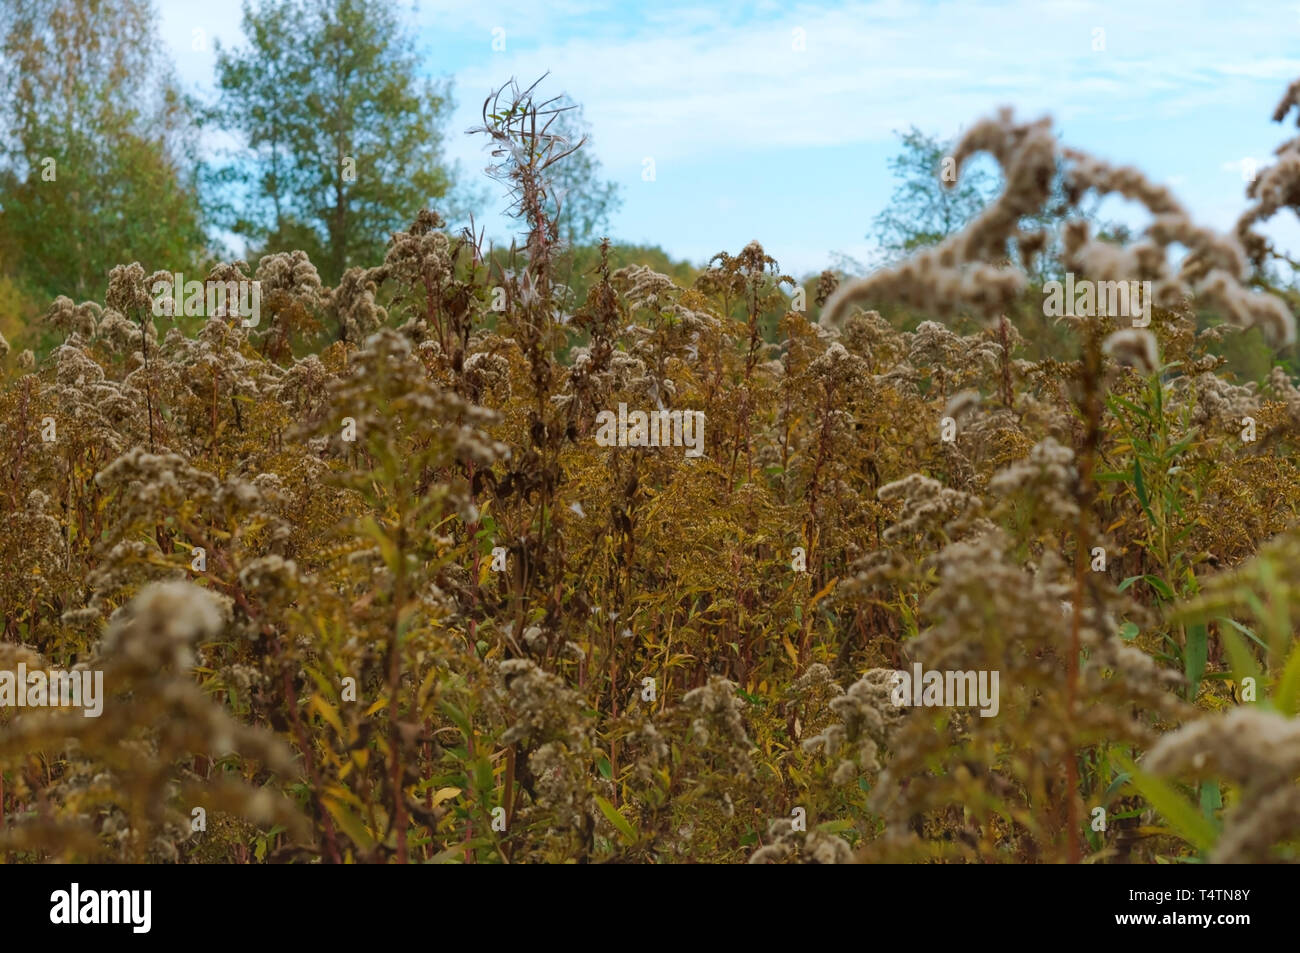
[969, 270]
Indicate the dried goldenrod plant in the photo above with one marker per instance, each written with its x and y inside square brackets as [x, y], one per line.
[362, 584]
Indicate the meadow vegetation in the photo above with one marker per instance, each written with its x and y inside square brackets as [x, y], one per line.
[366, 588]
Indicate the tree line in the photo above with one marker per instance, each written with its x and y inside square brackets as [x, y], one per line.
[325, 133]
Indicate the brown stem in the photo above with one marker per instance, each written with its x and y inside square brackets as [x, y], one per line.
[394, 685]
[148, 384]
[327, 823]
[1004, 339]
[1085, 491]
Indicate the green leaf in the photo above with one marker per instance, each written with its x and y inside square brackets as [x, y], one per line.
[1183, 816]
[1211, 799]
[1194, 658]
[1183, 444]
[1140, 486]
[1113, 789]
[621, 823]
[483, 776]
[1239, 654]
[457, 717]
[1129, 405]
[1287, 693]
[604, 768]
[1159, 585]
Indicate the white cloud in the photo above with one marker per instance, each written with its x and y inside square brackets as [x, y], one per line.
[690, 84]
[674, 81]
[698, 83]
[1276, 68]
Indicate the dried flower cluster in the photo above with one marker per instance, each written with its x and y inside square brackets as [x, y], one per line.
[385, 598]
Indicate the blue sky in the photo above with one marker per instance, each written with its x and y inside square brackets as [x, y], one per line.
[752, 137]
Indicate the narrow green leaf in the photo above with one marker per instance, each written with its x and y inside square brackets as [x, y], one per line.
[1239, 654]
[1140, 486]
[1194, 658]
[1181, 815]
[621, 823]
[1287, 693]
[1183, 444]
[1129, 405]
[457, 717]
[1120, 780]
[1159, 585]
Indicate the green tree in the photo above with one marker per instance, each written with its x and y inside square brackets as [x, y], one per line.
[96, 161]
[922, 211]
[343, 136]
[580, 270]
